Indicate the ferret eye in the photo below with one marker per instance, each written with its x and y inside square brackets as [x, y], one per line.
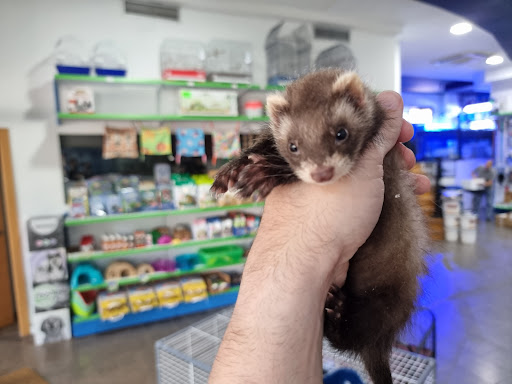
[341, 135]
[293, 148]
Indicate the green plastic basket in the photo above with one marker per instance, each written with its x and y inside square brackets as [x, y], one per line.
[220, 256]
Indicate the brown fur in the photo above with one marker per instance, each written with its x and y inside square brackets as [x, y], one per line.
[378, 297]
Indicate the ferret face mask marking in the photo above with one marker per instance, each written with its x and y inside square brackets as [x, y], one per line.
[322, 142]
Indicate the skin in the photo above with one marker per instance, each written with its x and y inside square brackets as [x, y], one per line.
[275, 333]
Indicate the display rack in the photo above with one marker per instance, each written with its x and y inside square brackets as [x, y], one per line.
[156, 276]
[93, 325]
[74, 222]
[75, 257]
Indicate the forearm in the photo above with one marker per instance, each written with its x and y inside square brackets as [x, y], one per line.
[275, 334]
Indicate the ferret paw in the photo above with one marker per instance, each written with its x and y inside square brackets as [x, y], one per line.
[333, 309]
[258, 176]
[228, 175]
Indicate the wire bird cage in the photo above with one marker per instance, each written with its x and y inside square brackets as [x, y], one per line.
[187, 356]
[337, 56]
[288, 52]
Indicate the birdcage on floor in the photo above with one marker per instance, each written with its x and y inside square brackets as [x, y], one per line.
[186, 357]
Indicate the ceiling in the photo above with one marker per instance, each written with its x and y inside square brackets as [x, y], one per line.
[423, 29]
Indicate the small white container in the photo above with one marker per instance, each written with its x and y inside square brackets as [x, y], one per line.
[253, 109]
[451, 220]
[451, 234]
[468, 221]
[468, 236]
[451, 207]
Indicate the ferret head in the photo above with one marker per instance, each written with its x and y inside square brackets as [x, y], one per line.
[322, 123]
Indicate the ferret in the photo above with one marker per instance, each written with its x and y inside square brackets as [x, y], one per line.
[320, 126]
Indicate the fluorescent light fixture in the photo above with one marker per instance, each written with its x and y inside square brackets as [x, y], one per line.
[478, 108]
[482, 124]
[494, 60]
[438, 126]
[461, 28]
[419, 115]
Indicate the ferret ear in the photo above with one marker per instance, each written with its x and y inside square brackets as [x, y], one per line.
[350, 83]
[277, 105]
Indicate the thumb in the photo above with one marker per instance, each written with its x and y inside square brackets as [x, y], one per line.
[393, 106]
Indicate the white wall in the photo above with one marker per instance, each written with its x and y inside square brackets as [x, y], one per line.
[28, 32]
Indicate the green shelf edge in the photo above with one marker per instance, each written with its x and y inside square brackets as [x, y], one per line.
[107, 116]
[151, 214]
[96, 316]
[157, 276]
[168, 83]
[76, 257]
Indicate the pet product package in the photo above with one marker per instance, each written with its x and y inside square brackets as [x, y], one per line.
[185, 191]
[200, 229]
[226, 144]
[190, 143]
[169, 294]
[49, 296]
[78, 201]
[113, 305]
[120, 143]
[201, 102]
[155, 141]
[205, 198]
[45, 232]
[80, 100]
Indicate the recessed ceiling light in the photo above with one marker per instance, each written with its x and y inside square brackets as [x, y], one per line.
[461, 28]
[494, 60]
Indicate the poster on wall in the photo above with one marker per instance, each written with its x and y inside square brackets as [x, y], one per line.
[48, 265]
[52, 326]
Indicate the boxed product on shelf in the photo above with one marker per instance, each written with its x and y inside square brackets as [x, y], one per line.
[169, 294]
[112, 305]
[227, 227]
[165, 196]
[78, 201]
[239, 223]
[185, 191]
[196, 102]
[205, 199]
[130, 199]
[214, 227]
[148, 196]
[142, 299]
[200, 229]
[217, 282]
[194, 289]
[80, 100]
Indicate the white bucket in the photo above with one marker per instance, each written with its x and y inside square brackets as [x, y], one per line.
[468, 236]
[451, 233]
[468, 221]
[451, 207]
[451, 220]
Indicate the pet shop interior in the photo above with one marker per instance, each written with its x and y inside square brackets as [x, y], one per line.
[117, 263]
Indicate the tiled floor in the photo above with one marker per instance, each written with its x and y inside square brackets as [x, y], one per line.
[469, 290]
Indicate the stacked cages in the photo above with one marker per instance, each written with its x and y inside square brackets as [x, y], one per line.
[187, 356]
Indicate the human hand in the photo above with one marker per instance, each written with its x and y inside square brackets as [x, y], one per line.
[317, 222]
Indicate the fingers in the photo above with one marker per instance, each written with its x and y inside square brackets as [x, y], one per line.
[393, 106]
[406, 133]
[422, 184]
[407, 155]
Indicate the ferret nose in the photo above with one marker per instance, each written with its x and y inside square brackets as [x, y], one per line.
[322, 174]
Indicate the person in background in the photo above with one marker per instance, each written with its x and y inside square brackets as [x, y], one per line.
[487, 173]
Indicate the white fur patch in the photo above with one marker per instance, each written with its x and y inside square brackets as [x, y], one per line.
[351, 83]
[276, 104]
[342, 166]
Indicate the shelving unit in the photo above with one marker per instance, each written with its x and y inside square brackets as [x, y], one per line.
[127, 99]
[75, 257]
[105, 116]
[72, 222]
[93, 324]
[166, 83]
[156, 276]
